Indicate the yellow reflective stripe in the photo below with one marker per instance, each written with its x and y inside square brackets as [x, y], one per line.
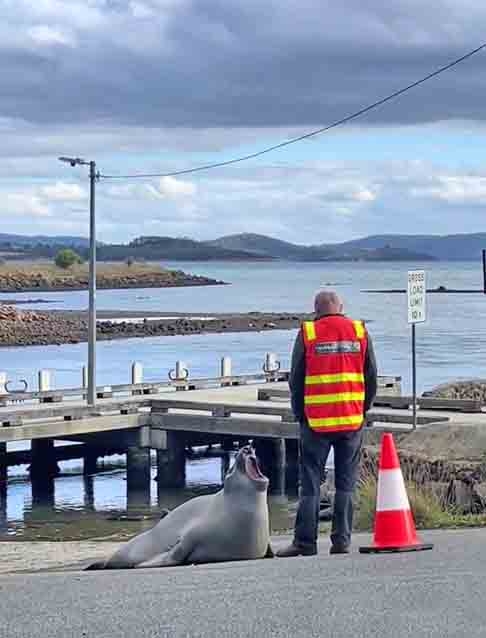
[310, 330]
[340, 397]
[336, 420]
[359, 329]
[317, 379]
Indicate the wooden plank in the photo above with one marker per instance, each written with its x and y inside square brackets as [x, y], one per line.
[270, 428]
[227, 408]
[385, 417]
[459, 405]
[71, 412]
[429, 403]
[267, 394]
[58, 429]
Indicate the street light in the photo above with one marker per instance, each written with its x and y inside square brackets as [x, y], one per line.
[93, 175]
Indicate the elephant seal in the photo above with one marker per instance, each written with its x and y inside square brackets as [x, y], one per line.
[232, 524]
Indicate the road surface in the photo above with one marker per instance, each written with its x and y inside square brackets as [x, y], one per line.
[436, 594]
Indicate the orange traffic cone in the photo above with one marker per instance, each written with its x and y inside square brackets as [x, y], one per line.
[394, 529]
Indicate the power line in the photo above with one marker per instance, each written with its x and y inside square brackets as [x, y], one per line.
[293, 140]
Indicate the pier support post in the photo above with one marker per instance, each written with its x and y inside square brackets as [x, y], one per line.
[271, 455]
[171, 462]
[90, 460]
[292, 466]
[138, 476]
[88, 492]
[3, 465]
[43, 464]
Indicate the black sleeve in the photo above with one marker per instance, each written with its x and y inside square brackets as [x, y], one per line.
[371, 374]
[297, 378]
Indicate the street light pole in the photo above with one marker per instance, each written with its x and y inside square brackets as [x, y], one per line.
[93, 176]
[92, 288]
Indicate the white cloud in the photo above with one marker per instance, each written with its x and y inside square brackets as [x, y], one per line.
[45, 35]
[166, 188]
[364, 195]
[63, 192]
[454, 189]
[141, 10]
[25, 204]
[176, 188]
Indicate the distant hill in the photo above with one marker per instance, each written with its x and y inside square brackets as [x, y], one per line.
[25, 241]
[251, 246]
[171, 249]
[263, 245]
[460, 247]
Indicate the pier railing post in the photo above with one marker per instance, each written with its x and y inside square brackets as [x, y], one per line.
[3, 381]
[137, 375]
[225, 371]
[271, 366]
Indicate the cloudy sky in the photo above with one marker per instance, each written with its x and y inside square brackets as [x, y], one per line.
[161, 85]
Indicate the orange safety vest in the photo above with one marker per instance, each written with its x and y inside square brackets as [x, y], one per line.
[335, 349]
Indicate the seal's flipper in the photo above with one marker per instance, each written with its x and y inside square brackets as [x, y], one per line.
[177, 555]
[269, 553]
[98, 565]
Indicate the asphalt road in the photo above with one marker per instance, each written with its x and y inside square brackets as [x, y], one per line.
[435, 594]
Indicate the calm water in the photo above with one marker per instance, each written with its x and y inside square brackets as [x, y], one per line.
[450, 345]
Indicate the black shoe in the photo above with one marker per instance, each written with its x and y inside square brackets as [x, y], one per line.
[292, 550]
[339, 549]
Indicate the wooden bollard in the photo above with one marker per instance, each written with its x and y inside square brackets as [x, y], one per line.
[271, 366]
[137, 376]
[44, 377]
[225, 371]
[180, 375]
[3, 381]
[3, 391]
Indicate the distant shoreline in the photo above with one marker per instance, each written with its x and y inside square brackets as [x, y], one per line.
[38, 277]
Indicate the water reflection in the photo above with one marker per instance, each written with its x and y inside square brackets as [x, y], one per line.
[78, 506]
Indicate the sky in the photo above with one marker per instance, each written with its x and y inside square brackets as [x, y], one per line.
[162, 85]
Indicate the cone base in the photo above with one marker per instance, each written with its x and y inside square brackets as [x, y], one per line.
[390, 550]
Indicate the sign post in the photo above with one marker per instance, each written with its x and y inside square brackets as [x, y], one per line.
[416, 314]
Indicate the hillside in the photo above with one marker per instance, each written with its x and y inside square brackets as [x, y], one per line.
[251, 246]
[459, 247]
[170, 249]
[263, 245]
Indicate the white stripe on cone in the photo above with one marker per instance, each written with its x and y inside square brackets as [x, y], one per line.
[392, 494]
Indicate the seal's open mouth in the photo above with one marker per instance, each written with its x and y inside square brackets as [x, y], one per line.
[253, 470]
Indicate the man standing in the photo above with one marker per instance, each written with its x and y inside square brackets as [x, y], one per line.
[333, 382]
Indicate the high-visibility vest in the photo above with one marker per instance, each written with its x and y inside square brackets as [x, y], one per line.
[335, 349]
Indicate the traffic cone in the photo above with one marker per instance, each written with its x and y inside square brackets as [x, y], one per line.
[394, 529]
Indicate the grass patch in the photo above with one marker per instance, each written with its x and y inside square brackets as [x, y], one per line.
[49, 269]
[429, 510]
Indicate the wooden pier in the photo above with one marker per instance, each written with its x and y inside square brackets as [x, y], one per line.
[175, 415]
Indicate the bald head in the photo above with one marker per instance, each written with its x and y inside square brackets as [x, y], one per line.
[327, 302]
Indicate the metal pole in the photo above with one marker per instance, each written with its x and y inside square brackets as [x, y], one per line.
[92, 289]
[414, 379]
[484, 271]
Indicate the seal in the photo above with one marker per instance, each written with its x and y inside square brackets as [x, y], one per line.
[232, 524]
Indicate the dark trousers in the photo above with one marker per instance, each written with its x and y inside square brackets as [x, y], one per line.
[314, 450]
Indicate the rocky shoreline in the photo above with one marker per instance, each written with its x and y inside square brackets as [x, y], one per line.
[29, 328]
[122, 278]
